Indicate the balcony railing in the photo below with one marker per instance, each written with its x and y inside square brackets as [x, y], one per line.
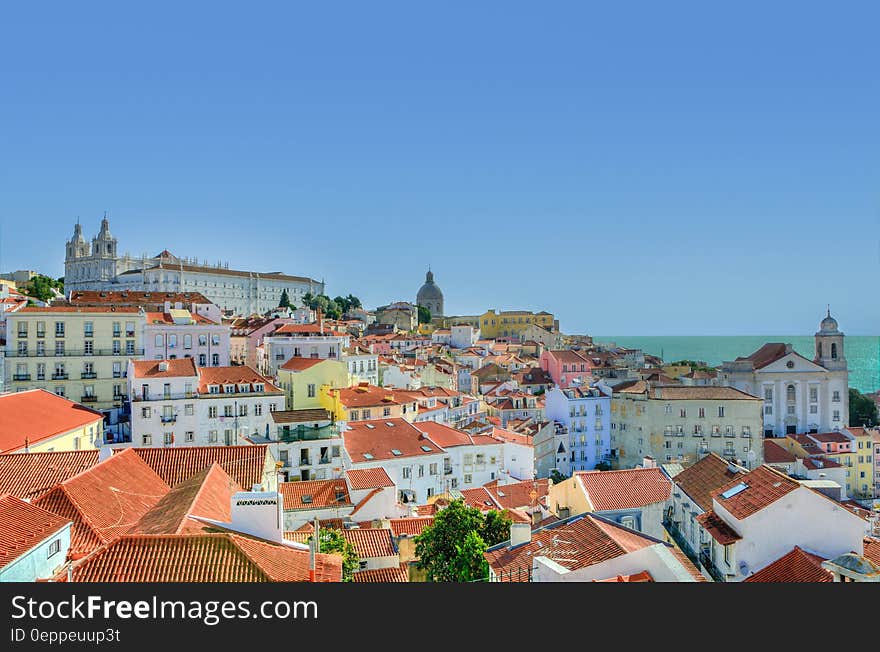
[307, 434]
[90, 398]
[88, 374]
[711, 568]
[165, 418]
[59, 376]
[173, 396]
[21, 377]
[72, 353]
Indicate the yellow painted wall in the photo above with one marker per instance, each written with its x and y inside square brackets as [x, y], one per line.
[494, 325]
[568, 493]
[68, 441]
[329, 373]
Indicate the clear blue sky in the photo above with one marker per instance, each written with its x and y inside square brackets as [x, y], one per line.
[641, 168]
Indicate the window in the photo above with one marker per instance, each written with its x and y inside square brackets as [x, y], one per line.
[212, 435]
[310, 390]
[702, 413]
[790, 393]
[129, 329]
[59, 329]
[129, 347]
[432, 469]
[468, 478]
[215, 359]
[117, 347]
[187, 341]
[203, 340]
[747, 431]
[172, 341]
[54, 548]
[59, 347]
[768, 409]
[407, 472]
[41, 348]
[258, 409]
[117, 370]
[188, 409]
[366, 414]
[203, 360]
[814, 394]
[168, 438]
[243, 410]
[836, 416]
[386, 412]
[682, 413]
[212, 412]
[668, 409]
[117, 329]
[720, 410]
[835, 396]
[145, 413]
[160, 340]
[227, 411]
[147, 440]
[768, 394]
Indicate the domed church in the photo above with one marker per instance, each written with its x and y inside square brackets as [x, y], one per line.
[430, 296]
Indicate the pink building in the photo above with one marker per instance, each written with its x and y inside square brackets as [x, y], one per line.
[248, 334]
[832, 442]
[567, 367]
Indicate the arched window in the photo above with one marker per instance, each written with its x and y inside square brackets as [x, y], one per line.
[789, 393]
[833, 351]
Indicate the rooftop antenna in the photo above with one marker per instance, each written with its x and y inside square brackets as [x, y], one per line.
[828, 306]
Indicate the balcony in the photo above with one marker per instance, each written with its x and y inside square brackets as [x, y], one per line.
[21, 377]
[89, 398]
[173, 396]
[72, 353]
[88, 374]
[447, 471]
[288, 435]
[707, 563]
[168, 418]
[57, 376]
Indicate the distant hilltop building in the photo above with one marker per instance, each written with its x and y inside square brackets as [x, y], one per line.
[430, 296]
[98, 266]
[800, 395]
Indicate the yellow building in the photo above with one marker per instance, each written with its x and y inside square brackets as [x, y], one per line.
[37, 421]
[364, 402]
[513, 323]
[858, 462]
[304, 380]
[77, 352]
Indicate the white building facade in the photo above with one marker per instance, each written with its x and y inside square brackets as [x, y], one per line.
[585, 413]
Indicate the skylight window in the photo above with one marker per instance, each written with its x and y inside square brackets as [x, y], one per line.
[395, 452]
[734, 490]
[389, 424]
[370, 426]
[307, 499]
[427, 449]
[368, 456]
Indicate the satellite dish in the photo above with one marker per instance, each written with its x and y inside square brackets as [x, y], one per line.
[743, 568]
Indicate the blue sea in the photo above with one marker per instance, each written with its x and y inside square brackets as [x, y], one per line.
[862, 352]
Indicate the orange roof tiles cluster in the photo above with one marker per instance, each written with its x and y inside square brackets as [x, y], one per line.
[368, 478]
[763, 487]
[705, 476]
[36, 415]
[776, 454]
[795, 566]
[411, 526]
[215, 557]
[378, 440]
[181, 367]
[315, 494]
[298, 364]
[718, 528]
[625, 489]
[174, 464]
[234, 375]
[23, 526]
[370, 542]
[385, 575]
[30, 475]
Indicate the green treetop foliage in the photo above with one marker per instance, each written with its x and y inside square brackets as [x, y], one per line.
[557, 477]
[285, 300]
[332, 542]
[862, 410]
[331, 308]
[451, 549]
[693, 364]
[40, 287]
[424, 315]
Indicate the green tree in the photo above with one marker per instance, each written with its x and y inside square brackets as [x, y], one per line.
[496, 527]
[451, 549]
[332, 542]
[40, 287]
[557, 477]
[862, 410]
[285, 300]
[424, 315]
[353, 302]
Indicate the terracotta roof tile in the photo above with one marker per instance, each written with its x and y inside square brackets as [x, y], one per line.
[36, 415]
[23, 526]
[700, 393]
[216, 557]
[776, 454]
[705, 476]
[105, 501]
[872, 549]
[644, 576]
[764, 486]
[30, 475]
[234, 375]
[377, 440]
[412, 526]
[301, 364]
[185, 367]
[368, 478]
[393, 574]
[100, 297]
[208, 494]
[315, 494]
[717, 528]
[516, 495]
[625, 489]
[370, 542]
[795, 566]
[174, 464]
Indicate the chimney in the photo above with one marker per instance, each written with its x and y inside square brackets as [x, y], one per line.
[648, 462]
[520, 533]
[320, 320]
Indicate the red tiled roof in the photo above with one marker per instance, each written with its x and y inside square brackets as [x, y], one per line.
[378, 439]
[644, 576]
[717, 528]
[703, 477]
[365, 395]
[105, 501]
[445, 436]
[301, 364]
[23, 526]
[234, 375]
[82, 309]
[795, 566]
[393, 574]
[30, 475]
[370, 542]
[412, 526]
[368, 478]
[517, 495]
[174, 464]
[172, 368]
[575, 543]
[776, 454]
[766, 354]
[625, 489]
[207, 494]
[315, 494]
[168, 319]
[815, 463]
[99, 297]
[480, 498]
[764, 486]
[872, 550]
[830, 437]
[216, 557]
[36, 415]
